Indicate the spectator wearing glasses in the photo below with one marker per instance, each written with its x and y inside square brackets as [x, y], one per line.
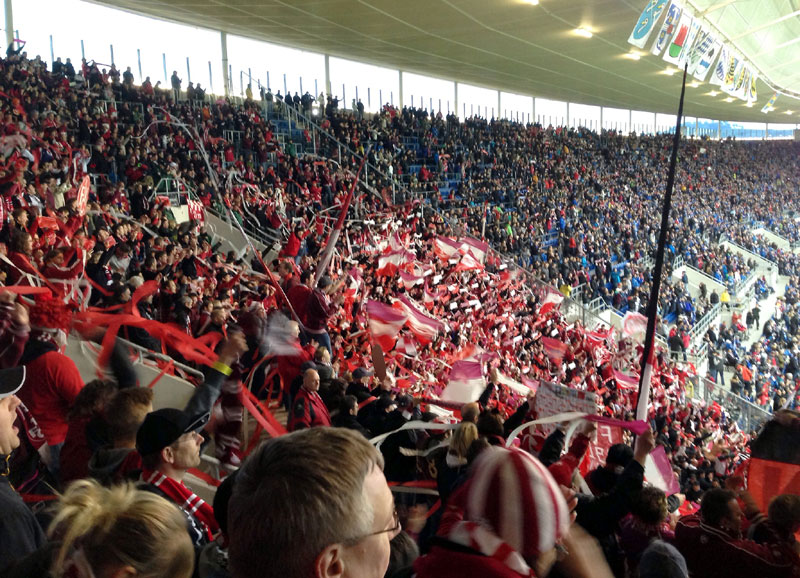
[314, 503]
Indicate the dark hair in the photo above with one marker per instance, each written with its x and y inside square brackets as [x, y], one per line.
[222, 498]
[403, 551]
[619, 455]
[125, 412]
[715, 505]
[92, 399]
[347, 404]
[490, 424]
[650, 505]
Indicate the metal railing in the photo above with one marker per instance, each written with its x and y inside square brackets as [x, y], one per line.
[746, 414]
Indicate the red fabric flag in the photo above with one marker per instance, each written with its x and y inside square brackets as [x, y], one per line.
[385, 323]
[554, 349]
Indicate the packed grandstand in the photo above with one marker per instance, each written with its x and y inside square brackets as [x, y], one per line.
[476, 275]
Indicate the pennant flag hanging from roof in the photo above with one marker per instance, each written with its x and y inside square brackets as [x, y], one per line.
[668, 28]
[647, 22]
[770, 103]
[681, 41]
[704, 54]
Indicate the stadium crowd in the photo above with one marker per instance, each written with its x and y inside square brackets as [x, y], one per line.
[415, 280]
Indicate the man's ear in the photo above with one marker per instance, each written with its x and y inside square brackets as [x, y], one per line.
[167, 455]
[330, 564]
[125, 572]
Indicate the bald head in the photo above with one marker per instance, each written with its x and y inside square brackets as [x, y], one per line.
[311, 380]
[470, 412]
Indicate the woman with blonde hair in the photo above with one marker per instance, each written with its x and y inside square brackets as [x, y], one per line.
[117, 532]
[454, 465]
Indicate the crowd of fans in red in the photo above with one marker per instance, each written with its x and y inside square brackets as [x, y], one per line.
[307, 338]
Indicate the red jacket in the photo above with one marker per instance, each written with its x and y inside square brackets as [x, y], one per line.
[713, 553]
[51, 386]
[443, 562]
[308, 410]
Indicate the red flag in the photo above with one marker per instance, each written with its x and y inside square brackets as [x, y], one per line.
[551, 301]
[385, 323]
[445, 247]
[466, 382]
[554, 349]
[424, 327]
[468, 263]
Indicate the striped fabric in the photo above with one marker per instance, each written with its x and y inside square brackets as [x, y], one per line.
[513, 494]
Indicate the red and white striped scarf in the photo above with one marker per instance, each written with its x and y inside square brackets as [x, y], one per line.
[481, 539]
[184, 498]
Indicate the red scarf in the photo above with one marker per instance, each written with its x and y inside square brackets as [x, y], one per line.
[184, 498]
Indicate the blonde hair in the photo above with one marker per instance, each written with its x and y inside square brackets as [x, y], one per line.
[463, 436]
[121, 526]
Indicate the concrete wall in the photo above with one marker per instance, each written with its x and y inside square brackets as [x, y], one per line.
[781, 242]
[169, 391]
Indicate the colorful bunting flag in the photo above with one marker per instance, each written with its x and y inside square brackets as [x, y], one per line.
[680, 43]
[647, 22]
[668, 28]
[770, 104]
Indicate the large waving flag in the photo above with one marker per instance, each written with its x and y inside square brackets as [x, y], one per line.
[647, 22]
[385, 323]
[554, 349]
[390, 263]
[423, 326]
[409, 279]
[445, 247]
[477, 248]
[468, 263]
[550, 302]
[466, 382]
[625, 381]
[634, 325]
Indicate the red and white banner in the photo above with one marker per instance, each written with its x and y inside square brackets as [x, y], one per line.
[445, 247]
[476, 248]
[625, 381]
[634, 325]
[550, 302]
[390, 263]
[83, 195]
[466, 382]
[409, 279]
[385, 323]
[597, 453]
[658, 471]
[196, 211]
[554, 349]
[468, 263]
[423, 326]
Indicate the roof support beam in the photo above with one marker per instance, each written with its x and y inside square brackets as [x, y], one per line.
[9, 23]
[766, 25]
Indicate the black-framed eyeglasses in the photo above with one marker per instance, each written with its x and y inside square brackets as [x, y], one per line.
[396, 527]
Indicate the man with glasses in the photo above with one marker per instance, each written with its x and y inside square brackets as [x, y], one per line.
[314, 503]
